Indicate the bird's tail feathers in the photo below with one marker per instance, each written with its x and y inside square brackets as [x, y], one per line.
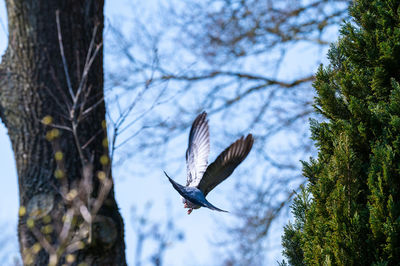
[212, 207]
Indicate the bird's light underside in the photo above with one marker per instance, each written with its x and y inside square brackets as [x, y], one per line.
[201, 177]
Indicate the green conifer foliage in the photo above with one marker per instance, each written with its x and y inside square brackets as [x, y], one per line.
[291, 240]
[354, 214]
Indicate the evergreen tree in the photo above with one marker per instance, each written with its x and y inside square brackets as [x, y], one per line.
[291, 240]
[354, 215]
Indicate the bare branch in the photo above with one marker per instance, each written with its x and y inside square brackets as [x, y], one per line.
[64, 60]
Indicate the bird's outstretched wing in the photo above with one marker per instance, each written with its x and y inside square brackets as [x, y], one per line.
[225, 163]
[198, 150]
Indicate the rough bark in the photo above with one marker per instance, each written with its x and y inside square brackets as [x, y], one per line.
[33, 85]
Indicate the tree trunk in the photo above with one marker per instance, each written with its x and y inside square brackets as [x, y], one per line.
[59, 155]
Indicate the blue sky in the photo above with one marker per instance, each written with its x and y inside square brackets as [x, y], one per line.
[200, 227]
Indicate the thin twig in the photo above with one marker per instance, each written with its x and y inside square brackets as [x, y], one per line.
[64, 60]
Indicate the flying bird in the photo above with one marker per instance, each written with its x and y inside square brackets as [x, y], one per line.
[201, 177]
